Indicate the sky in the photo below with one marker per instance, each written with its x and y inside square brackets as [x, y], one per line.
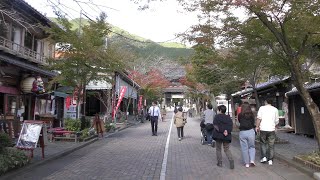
[159, 23]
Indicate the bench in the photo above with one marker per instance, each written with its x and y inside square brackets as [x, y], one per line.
[61, 135]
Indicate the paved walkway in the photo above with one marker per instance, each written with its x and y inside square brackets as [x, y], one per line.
[135, 154]
[297, 145]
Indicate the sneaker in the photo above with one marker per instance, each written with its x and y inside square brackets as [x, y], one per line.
[209, 144]
[247, 165]
[179, 139]
[263, 160]
[270, 162]
[252, 164]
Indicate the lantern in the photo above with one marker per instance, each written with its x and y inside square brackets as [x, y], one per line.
[26, 84]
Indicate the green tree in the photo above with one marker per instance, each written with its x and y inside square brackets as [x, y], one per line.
[84, 54]
[290, 29]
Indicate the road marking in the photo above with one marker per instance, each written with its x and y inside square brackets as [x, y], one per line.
[165, 156]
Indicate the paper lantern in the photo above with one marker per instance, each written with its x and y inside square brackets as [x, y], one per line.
[26, 84]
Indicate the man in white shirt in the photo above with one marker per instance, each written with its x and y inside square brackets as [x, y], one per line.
[154, 113]
[267, 119]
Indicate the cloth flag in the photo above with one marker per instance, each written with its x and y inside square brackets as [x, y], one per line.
[122, 93]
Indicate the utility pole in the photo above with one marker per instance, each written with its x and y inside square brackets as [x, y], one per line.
[80, 22]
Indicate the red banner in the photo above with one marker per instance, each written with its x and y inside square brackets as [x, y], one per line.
[122, 92]
[140, 104]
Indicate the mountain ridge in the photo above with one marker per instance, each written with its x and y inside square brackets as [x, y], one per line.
[117, 30]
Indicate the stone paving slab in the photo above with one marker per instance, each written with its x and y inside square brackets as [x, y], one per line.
[135, 154]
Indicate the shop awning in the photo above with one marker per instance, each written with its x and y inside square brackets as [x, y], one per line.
[24, 65]
[9, 90]
[60, 94]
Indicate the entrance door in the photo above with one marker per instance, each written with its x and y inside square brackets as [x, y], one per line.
[59, 112]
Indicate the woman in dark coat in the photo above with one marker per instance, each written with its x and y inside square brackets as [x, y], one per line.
[222, 135]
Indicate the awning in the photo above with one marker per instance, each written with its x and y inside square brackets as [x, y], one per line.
[24, 65]
[60, 94]
[9, 90]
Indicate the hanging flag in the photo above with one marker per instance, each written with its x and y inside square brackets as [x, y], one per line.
[68, 102]
[121, 95]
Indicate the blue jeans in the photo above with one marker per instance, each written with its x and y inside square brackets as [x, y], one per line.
[209, 135]
[247, 143]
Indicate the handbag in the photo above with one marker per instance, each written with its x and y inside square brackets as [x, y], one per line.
[209, 127]
[148, 117]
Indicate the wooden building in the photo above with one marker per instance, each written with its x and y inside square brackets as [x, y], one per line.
[299, 115]
[24, 51]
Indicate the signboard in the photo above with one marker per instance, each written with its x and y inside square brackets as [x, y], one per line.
[29, 135]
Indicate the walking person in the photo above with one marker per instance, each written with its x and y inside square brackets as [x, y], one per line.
[179, 121]
[208, 116]
[154, 113]
[222, 135]
[267, 119]
[247, 135]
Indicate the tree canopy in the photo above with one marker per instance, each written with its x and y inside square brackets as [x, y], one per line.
[83, 53]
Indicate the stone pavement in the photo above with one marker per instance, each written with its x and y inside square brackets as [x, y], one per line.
[135, 154]
[297, 145]
[57, 149]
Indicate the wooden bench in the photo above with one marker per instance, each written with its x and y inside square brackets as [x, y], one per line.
[61, 134]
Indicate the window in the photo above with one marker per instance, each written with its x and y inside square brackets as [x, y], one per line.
[28, 40]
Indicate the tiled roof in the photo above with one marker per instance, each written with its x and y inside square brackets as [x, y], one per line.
[261, 86]
[309, 87]
[48, 21]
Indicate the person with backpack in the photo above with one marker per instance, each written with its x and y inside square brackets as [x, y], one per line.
[179, 121]
[208, 116]
[223, 125]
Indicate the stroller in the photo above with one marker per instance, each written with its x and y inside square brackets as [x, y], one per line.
[203, 134]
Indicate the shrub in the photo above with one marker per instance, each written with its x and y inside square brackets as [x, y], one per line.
[109, 126]
[85, 122]
[5, 141]
[72, 124]
[313, 157]
[12, 158]
[85, 133]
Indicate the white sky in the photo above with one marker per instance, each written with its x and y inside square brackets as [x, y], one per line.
[159, 23]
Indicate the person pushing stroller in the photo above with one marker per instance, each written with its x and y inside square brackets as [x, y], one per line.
[207, 117]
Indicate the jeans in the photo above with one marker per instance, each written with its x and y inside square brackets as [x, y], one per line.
[154, 124]
[267, 139]
[180, 131]
[209, 135]
[225, 148]
[247, 143]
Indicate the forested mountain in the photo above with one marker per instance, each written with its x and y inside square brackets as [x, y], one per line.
[167, 57]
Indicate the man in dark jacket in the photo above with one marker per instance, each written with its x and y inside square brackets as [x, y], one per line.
[222, 135]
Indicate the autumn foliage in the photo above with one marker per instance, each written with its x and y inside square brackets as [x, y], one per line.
[153, 79]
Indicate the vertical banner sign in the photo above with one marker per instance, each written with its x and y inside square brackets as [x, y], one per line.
[122, 92]
[140, 104]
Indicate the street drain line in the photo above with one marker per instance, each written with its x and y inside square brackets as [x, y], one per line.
[165, 156]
